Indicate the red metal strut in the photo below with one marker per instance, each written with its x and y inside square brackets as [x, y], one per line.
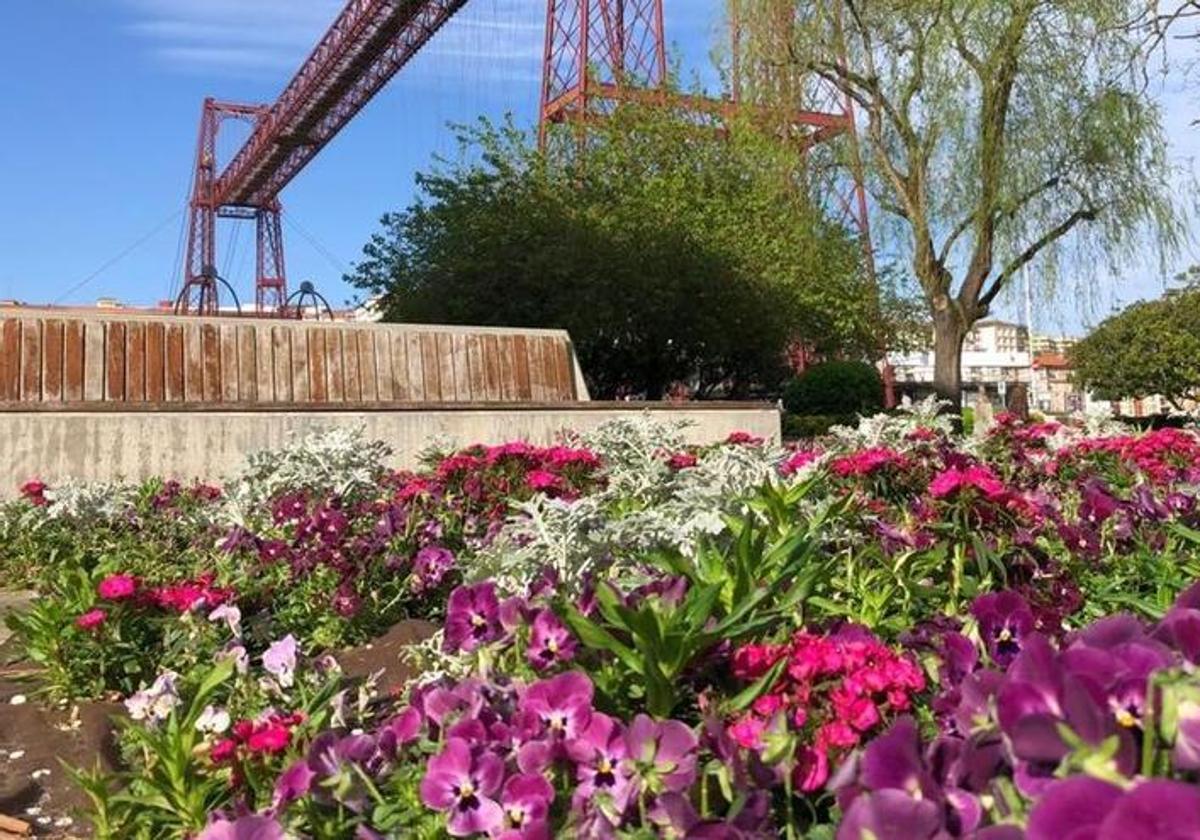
[367, 44]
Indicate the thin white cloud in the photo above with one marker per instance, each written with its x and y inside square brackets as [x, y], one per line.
[234, 37]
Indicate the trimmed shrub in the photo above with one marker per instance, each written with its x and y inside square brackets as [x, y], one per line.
[844, 388]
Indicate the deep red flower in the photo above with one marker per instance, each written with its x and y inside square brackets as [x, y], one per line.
[91, 619]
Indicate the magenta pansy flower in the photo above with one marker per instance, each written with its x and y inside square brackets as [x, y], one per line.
[463, 786]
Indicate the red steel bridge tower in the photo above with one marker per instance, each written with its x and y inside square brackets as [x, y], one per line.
[597, 54]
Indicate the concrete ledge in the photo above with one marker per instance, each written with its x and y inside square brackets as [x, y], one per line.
[101, 445]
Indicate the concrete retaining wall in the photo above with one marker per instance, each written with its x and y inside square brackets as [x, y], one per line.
[211, 444]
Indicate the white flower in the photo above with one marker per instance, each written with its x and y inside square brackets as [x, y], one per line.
[231, 615]
[156, 702]
[213, 720]
[280, 660]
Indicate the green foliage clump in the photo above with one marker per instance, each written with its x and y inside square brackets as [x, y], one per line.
[843, 388]
[1152, 347]
[671, 253]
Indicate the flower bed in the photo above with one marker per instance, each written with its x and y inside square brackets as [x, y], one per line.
[899, 634]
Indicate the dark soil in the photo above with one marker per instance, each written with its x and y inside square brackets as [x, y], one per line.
[34, 739]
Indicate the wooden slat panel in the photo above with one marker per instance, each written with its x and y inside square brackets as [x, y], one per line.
[114, 365]
[248, 364]
[93, 361]
[537, 371]
[135, 362]
[228, 340]
[73, 350]
[52, 360]
[368, 372]
[31, 360]
[401, 384]
[264, 352]
[176, 368]
[156, 363]
[350, 368]
[476, 375]
[300, 389]
[281, 348]
[414, 353]
[462, 372]
[336, 370]
[318, 386]
[383, 365]
[210, 361]
[10, 360]
[523, 389]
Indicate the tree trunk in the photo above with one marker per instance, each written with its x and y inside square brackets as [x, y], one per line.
[948, 336]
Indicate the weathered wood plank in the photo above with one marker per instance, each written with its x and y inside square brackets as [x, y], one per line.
[227, 351]
[476, 375]
[462, 367]
[300, 389]
[523, 389]
[247, 363]
[210, 349]
[10, 360]
[318, 384]
[135, 362]
[176, 366]
[491, 367]
[93, 361]
[383, 365]
[401, 384]
[445, 359]
[264, 353]
[156, 363]
[114, 364]
[508, 367]
[368, 370]
[281, 349]
[52, 360]
[414, 350]
[73, 351]
[31, 360]
[193, 363]
[336, 370]
[350, 368]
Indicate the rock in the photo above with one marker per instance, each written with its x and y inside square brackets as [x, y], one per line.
[386, 654]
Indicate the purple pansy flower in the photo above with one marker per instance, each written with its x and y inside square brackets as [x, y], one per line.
[599, 754]
[525, 801]
[550, 643]
[430, 566]
[662, 753]
[472, 617]
[463, 785]
[563, 704]
[249, 827]
[1004, 620]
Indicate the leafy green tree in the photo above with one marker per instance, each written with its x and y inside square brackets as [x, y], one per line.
[669, 251]
[996, 133]
[1151, 347]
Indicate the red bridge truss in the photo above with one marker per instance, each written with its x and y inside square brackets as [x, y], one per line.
[597, 53]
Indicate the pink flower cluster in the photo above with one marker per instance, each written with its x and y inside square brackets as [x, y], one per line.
[269, 736]
[833, 691]
[188, 595]
[34, 492]
[1164, 456]
[955, 480]
[869, 462]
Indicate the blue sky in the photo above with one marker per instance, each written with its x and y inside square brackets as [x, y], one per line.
[102, 99]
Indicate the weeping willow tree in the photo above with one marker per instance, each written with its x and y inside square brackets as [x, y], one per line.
[994, 135]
